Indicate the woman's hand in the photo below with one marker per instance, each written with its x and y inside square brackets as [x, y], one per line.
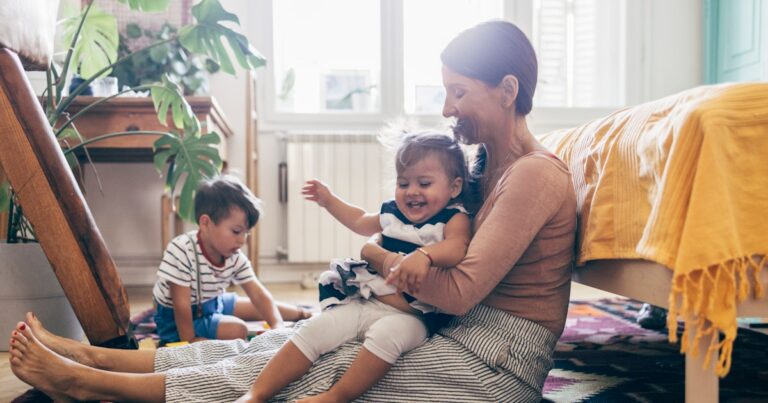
[409, 273]
[316, 191]
[197, 339]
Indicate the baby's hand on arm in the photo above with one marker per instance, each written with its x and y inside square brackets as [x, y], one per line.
[409, 274]
[316, 191]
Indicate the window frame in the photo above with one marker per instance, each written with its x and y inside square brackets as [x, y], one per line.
[635, 66]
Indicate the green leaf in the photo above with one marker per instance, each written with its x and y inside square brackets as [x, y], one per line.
[192, 158]
[148, 6]
[169, 95]
[159, 53]
[133, 30]
[204, 37]
[5, 197]
[96, 46]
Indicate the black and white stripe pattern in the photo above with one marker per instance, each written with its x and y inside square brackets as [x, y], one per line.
[487, 355]
[178, 267]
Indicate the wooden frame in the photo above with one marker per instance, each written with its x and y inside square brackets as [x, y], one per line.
[651, 282]
[52, 201]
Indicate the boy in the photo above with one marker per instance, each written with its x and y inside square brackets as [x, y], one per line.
[197, 267]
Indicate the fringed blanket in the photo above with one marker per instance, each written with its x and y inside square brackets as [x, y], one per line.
[682, 181]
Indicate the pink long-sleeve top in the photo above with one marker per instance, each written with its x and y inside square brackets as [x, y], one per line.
[522, 250]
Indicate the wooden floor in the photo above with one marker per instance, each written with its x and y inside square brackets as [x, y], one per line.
[141, 299]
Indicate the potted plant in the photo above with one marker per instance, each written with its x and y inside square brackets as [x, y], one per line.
[182, 154]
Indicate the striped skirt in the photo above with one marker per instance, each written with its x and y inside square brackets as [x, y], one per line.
[487, 355]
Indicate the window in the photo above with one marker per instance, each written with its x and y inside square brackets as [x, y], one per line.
[327, 56]
[370, 60]
[579, 50]
[425, 34]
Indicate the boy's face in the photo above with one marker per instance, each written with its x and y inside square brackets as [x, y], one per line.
[424, 189]
[227, 236]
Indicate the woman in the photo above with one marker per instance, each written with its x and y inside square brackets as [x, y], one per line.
[511, 291]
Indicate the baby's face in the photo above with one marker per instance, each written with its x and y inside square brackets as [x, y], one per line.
[424, 189]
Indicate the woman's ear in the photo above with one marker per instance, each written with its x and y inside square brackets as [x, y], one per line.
[456, 187]
[509, 89]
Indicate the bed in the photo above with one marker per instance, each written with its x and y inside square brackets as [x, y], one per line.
[672, 198]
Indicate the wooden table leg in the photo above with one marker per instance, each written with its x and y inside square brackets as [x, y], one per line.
[701, 384]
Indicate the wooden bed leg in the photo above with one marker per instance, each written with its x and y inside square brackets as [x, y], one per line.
[701, 385]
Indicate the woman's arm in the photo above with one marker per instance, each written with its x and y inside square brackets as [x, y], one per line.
[527, 196]
[379, 258]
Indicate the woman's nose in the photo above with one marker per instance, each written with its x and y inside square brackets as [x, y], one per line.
[448, 109]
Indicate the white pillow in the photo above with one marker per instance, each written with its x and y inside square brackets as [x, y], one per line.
[28, 27]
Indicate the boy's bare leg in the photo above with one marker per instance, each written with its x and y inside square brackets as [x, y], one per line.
[231, 328]
[365, 371]
[66, 380]
[244, 309]
[288, 365]
[136, 361]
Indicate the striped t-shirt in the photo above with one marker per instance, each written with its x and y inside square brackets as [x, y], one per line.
[178, 267]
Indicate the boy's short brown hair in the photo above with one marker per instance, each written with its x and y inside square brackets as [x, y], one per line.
[216, 196]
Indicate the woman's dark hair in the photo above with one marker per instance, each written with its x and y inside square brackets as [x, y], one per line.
[491, 50]
[415, 146]
[216, 197]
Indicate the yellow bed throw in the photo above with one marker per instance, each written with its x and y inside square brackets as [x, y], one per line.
[682, 181]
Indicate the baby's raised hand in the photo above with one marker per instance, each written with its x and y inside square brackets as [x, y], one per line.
[316, 191]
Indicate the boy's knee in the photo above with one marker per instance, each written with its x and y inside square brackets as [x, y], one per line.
[232, 329]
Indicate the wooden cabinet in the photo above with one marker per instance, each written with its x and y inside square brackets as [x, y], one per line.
[138, 114]
[133, 114]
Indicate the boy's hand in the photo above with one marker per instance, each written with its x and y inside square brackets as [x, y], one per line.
[316, 191]
[408, 275]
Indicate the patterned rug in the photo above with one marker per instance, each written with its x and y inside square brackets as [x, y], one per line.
[603, 356]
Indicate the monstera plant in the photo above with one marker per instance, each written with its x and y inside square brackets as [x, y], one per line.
[182, 154]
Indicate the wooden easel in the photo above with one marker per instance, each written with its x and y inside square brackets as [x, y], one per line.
[46, 189]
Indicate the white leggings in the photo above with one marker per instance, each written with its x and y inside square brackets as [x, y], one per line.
[385, 331]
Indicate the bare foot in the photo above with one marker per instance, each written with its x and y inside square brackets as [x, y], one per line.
[40, 367]
[325, 397]
[68, 348]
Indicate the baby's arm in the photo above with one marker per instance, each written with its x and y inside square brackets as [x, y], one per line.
[447, 253]
[353, 217]
[182, 311]
[451, 250]
[263, 302]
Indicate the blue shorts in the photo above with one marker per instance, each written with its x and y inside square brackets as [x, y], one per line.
[205, 326]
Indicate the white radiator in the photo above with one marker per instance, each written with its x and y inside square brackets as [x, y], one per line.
[355, 167]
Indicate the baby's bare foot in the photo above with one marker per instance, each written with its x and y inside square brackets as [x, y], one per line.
[40, 367]
[72, 349]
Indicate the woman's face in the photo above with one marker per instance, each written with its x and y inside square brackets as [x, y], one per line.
[476, 106]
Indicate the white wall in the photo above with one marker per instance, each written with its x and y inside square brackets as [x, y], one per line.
[129, 215]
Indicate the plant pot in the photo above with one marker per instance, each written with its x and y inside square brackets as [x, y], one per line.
[28, 284]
